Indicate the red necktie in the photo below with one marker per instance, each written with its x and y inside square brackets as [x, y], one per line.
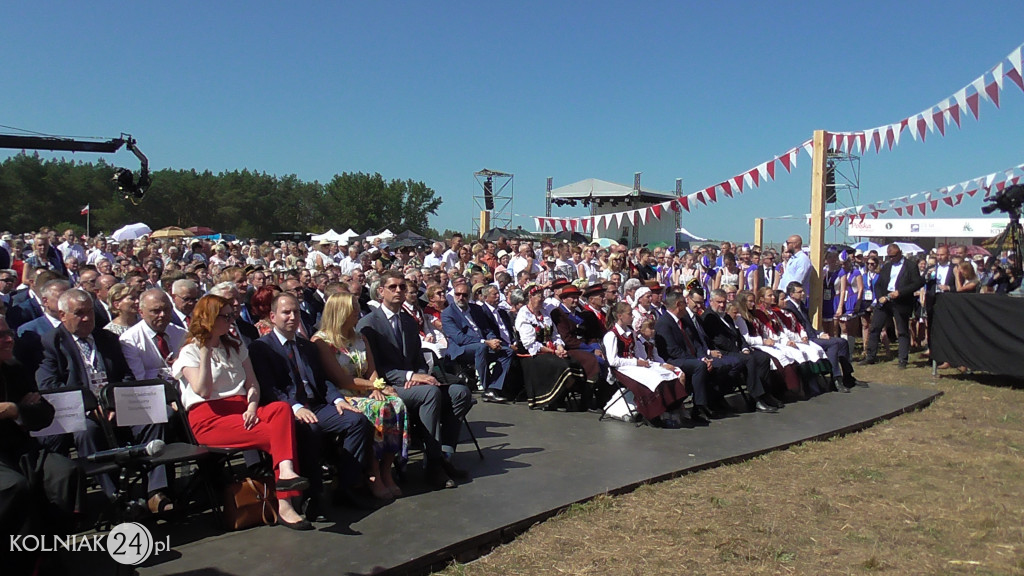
[689, 343]
[161, 345]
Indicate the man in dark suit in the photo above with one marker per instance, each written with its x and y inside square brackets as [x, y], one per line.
[895, 288]
[939, 279]
[679, 350]
[78, 357]
[29, 348]
[724, 336]
[29, 306]
[395, 344]
[474, 336]
[288, 369]
[726, 368]
[836, 349]
[30, 503]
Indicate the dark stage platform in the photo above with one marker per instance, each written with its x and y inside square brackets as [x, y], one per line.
[535, 464]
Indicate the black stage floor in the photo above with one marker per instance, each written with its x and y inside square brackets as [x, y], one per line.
[535, 464]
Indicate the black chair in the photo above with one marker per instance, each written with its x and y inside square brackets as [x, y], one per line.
[133, 470]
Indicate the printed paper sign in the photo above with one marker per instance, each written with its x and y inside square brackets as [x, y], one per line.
[69, 413]
[137, 405]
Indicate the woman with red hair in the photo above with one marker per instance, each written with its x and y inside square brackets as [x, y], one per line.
[222, 397]
[260, 305]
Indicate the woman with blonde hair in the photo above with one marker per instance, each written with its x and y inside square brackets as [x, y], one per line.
[124, 308]
[349, 365]
[222, 397]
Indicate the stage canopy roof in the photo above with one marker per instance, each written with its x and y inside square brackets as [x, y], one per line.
[601, 191]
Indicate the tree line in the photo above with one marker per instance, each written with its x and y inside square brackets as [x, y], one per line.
[36, 192]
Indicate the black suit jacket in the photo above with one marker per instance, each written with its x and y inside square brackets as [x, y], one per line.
[505, 319]
[802, 317]
[247, 333]
[277, 380]
[908, 282]
[699, 343]
[15, 382]
[388, 356]
[671, 342]
[722, 332]
[63, 367]
[24, 312]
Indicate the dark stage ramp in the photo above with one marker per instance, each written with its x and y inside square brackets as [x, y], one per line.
[535, 464]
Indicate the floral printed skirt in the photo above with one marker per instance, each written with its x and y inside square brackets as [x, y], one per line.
[391, 423]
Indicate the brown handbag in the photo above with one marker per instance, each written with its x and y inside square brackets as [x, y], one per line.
[249, 502]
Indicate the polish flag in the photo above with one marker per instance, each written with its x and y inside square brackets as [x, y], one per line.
[85, 210]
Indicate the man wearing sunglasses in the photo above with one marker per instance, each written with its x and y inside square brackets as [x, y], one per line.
[394, 341]
[473, 337]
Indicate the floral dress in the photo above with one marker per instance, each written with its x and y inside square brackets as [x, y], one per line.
[390, 418]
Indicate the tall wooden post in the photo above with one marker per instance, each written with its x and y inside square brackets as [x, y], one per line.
[759, 232]
[817, 238]
[485, 222]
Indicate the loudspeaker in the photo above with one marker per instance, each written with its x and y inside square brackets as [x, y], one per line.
[489, 193]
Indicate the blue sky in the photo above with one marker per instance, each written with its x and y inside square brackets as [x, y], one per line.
[436, 91]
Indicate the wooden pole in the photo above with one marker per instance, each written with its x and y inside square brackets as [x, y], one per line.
[759, 232]
[817, 238]
[485, 222]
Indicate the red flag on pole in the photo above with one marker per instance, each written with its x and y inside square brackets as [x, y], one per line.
[85, 210]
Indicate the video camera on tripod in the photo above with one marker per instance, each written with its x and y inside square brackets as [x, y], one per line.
[1009, 200]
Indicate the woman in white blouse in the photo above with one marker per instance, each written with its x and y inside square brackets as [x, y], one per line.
[222, 396]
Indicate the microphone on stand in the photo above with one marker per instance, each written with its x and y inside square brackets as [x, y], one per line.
[121, 455]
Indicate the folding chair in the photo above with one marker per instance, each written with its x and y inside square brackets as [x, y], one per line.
[134, 470]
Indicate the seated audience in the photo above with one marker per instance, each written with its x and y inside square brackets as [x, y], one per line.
[549, 373]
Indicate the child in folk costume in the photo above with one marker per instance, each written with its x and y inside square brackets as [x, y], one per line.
[657, 387]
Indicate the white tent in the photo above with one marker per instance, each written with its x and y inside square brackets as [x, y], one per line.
[347, 235]
[688, 236]
[330, 236]
[385, 235]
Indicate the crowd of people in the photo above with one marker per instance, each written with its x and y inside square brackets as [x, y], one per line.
[280, 346]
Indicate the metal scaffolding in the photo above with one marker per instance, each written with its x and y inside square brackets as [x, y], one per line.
[499, 187]
[842, 187]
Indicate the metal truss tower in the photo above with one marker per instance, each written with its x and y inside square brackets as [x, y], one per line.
[495, 197]
[842, 188]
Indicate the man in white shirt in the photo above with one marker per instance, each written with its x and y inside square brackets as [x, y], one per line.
[798, 267]
[72, 248]
[184, 294]
[451, 257]
[435, 258]
[100, 251]
[151, 345]
[350, 263]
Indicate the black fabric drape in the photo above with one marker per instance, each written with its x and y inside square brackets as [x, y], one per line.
[983, 332]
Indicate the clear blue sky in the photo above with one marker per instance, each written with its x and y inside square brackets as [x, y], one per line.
[435, 91]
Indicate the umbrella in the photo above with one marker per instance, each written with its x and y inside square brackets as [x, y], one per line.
[606, 242]
[975, 250]
[867, 246]
[568, 236]
[171, 232]
[201, 231]
[130, 232]
[909, 247]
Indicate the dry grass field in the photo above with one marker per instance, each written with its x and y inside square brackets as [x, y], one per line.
[937, 491]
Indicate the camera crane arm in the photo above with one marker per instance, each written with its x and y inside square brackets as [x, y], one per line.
[133, 190]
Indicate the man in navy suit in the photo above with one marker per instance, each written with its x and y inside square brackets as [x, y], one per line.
[836, 349]
[395, 343]
[76, 356]
[473, 336]
[29, 347]
[678, 349]
[289, 370]
[30, 306]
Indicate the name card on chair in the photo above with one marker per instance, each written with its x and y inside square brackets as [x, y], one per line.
[68, 416]
[137, 405]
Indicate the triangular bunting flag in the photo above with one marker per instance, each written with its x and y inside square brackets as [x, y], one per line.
[700, 198]
[972, 192]
[921, 207]
[808, 147]
[934, 204]
[727, 188]
[711, 194]
[889, 136]
[642, 215]
[972, 103]
[874, 214]
[862, 217]
[997, 75]
[993, 93]
[938, 122]
[684, 202]
[738, 181]
[656, 211]
[537, 224]
[947, 200]
[770, 168]
[1014, 75]
[755, 176]
[792, 158]
[899, 211]
[785, 161]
